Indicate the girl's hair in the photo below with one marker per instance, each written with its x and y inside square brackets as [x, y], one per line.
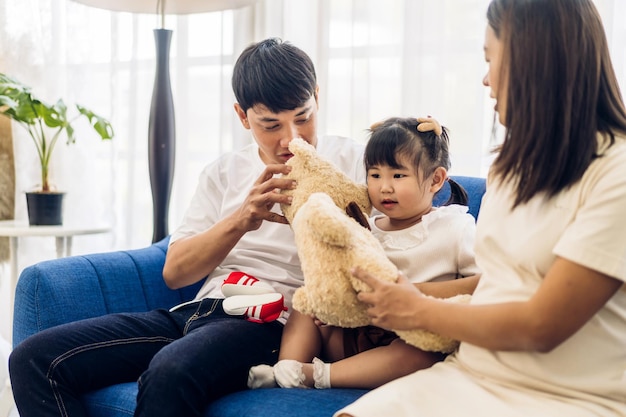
[561, 91]
[275, 74]
[428, 151]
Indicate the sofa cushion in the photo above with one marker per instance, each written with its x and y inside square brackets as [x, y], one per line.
[293, 402]
[120, 400]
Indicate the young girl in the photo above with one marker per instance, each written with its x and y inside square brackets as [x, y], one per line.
[545, 332]
[405, 169]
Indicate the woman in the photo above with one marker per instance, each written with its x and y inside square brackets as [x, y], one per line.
[545, 333]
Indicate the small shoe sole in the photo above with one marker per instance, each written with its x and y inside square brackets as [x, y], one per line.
[230, 290]
[238, 304]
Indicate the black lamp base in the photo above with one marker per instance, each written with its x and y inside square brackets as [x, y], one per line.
[161, 137]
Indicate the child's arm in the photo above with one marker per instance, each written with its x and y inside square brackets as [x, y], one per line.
[445, 289]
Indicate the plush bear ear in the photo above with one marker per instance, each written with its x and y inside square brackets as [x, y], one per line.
[353, 210]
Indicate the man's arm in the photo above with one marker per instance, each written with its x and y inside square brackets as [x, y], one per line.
[192, 258]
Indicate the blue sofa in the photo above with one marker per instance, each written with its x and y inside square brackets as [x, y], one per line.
[63, 290]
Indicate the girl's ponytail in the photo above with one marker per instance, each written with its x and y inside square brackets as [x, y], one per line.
[458, 195]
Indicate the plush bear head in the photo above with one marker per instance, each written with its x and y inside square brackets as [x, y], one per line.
[314, 174]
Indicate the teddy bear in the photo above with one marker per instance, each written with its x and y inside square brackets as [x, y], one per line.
[330, 243]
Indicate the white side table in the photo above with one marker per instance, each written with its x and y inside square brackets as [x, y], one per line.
[15, 229]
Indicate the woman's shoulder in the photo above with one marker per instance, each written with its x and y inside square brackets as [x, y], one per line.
[610, 159]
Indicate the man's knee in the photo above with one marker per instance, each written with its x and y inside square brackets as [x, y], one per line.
[24, 356]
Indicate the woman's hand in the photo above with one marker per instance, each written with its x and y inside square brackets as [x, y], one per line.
[391, 305]
[263, 195]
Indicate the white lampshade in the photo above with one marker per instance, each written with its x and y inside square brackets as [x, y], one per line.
[171, 6]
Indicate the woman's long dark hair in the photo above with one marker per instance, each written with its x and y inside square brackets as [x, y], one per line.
[561, 91]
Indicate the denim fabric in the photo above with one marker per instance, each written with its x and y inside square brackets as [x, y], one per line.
[183, 360]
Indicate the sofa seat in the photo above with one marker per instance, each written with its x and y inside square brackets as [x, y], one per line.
[119, 400]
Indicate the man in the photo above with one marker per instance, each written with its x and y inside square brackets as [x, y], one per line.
[187, 357]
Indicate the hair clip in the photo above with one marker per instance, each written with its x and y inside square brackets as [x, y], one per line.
[376, 125]
[426, 124]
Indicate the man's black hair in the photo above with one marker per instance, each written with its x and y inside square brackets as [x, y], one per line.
[275, 74]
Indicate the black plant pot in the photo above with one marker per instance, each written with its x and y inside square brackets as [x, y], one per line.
[45, 209]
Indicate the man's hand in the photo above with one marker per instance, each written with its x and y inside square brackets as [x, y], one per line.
[264, 195]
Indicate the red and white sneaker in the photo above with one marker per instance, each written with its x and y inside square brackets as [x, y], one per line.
[260, 308]
[240, 283]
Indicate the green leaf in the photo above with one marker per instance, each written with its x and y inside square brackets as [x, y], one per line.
[53, 116]
[7, 101]
[100, 124]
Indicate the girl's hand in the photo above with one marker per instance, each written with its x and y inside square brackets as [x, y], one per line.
[318, 322]
[391, 305]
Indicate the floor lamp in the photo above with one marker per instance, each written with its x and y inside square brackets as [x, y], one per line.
[162, 127]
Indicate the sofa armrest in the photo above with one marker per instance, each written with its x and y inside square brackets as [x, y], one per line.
[63, 290]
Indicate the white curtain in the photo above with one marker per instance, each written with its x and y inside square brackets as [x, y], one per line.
[374, 59]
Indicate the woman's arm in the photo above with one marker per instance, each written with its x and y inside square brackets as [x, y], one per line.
[567, 299]
[192, 258]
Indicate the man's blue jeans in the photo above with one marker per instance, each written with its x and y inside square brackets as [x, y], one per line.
[182, 360]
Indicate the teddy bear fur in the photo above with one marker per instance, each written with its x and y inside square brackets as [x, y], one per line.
[330, 244]
[314, 174]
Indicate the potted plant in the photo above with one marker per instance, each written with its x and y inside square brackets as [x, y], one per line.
[45, 124]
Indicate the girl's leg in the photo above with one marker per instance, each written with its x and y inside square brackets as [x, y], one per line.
[377, 366]
[51, 370]
[301, 340]
[212, 359]
[371, 368]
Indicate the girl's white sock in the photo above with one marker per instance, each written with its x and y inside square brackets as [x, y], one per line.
[321, 374]
[261, 376]
[288, 374]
